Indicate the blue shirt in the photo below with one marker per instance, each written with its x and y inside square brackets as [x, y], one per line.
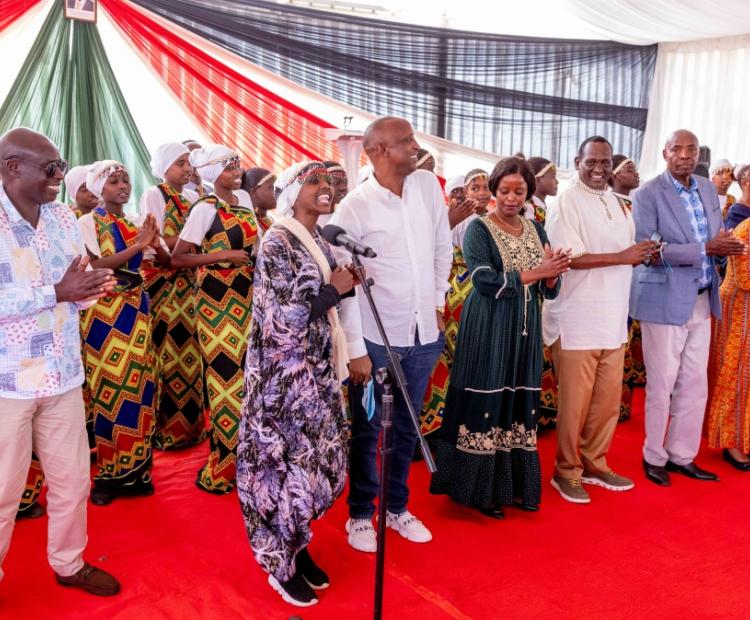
[693, 204]
[40, 342]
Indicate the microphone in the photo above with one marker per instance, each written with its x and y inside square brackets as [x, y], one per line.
[335, 235]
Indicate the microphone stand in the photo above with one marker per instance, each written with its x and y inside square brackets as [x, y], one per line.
[385, 377]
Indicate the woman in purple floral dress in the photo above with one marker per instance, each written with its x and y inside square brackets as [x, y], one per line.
[291, 458]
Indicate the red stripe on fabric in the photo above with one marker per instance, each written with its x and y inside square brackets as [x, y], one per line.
[264, 128]
[11, 10]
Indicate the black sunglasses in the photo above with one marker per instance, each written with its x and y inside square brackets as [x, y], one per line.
[49, 168]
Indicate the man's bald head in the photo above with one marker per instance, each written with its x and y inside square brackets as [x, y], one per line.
[389, 143]
[25, 158]
[25, 141]
[681, 154]
[681, 135]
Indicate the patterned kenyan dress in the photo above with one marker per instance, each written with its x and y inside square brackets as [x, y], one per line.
[437, 388]
[729, 371]
[291, 459]
[487, 455]
[179, 368]
[223, 305]
[118, 358]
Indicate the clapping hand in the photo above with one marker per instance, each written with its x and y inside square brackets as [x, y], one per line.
[82, 284]
[148, 235]
[457, 213]
[554, 263]
[725, 244]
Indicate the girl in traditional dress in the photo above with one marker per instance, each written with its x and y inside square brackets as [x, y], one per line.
[179, 368]
[729, 403]
[624, 180]
[477, 192]
[291, 459]
[487, 455]
[222, 228]
[258, 182]
[118, 355]
[545, 177]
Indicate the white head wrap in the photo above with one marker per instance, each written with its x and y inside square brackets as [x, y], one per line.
[365, 172]
[211, 161]
[99, 173]
[75, 178]
[286, 183]
[165, 155]
[722, 164]
[454, 183]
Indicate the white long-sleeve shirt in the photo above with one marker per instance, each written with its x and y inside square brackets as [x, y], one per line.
[412, 239]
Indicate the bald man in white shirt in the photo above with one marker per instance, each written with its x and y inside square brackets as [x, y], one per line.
[400, 213]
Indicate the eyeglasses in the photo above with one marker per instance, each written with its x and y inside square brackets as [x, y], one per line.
[49, 168]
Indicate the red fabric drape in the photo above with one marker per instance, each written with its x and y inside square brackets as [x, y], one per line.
[265, 129]
[11, 10]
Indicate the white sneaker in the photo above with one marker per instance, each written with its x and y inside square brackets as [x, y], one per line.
[362, 535]
[408, 526]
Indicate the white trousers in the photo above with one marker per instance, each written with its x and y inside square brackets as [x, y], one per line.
[676, 358]
[55, 428]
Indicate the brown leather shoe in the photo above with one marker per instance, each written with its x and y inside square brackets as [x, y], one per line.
[91, 579]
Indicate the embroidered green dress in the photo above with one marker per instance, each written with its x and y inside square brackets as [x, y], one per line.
[488, 455]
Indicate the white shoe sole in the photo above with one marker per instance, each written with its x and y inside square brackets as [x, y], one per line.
[395, 526]
[367, 549]
[604, 485]
[274, 583]
[567, 498]
[316, 587]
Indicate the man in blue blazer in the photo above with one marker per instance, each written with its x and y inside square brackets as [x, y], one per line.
[673, 298]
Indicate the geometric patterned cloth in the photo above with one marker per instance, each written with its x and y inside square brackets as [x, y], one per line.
[118, 358]
[33, 488]
[178, 367]
[437, 389]
[223, 306]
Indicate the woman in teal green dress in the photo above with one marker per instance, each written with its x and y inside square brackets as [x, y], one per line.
[487, 457]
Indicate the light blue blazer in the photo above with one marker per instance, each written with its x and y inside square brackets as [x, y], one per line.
[658, 295]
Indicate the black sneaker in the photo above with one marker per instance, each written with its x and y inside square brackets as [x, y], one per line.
[295, 591]
[310, 571]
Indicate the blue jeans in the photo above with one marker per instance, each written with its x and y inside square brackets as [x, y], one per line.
[418, 362]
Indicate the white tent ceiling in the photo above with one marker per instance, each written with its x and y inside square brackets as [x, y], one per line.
[627, 21]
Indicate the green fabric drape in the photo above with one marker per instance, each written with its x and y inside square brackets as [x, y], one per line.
[66, 89]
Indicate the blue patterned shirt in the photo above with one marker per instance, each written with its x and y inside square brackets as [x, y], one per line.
[699, 223]
[40, 343]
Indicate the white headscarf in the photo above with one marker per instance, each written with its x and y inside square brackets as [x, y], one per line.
[165, 155]
[99, 173]
[211, 161]
[454, 183]
[75, 178]
[722, 164]
[286, 183]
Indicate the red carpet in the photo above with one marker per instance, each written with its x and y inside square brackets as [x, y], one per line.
[651, 552]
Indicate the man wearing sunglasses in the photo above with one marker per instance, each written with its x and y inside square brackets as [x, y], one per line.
[44, 282]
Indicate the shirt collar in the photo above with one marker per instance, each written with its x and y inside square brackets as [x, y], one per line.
[13, 215]
[681, 188]
[384, 191]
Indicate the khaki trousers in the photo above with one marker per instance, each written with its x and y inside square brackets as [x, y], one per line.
[588, 405]
[55, 428]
